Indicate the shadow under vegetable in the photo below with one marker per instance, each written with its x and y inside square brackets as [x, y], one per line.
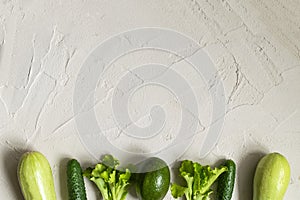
[245, 175]
[11, 159]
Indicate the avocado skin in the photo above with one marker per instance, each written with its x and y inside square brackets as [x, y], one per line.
[154, 181]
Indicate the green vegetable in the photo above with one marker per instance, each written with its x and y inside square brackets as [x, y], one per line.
[226, 181]
[111, 182]
[35, 177]
[272, 177]
[75, 182]
[198, 179]
[154, 181]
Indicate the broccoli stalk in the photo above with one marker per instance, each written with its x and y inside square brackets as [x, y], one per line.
[198, 179]
[112, 183]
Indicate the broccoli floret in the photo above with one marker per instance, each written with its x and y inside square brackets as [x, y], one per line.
[111, 182]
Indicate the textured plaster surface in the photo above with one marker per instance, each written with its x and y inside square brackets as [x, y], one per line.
[254, 45]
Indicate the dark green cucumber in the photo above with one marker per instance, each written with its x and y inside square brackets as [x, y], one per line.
[226, 181]
[75, 182]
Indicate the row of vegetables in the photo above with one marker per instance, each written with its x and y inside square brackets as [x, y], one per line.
[151, 179]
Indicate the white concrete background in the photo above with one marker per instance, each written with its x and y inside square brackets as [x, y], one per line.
[255, 45]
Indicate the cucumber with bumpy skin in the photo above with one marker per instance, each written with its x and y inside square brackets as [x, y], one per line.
[35, 177]
[226, 181]
[75, 182]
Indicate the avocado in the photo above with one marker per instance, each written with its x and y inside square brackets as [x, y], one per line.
[153, 180]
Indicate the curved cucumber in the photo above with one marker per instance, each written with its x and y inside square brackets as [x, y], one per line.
[272, 177]
[35, 177]
[75, 182]
[226, 181]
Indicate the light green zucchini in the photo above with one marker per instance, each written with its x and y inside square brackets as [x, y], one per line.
[35, 177]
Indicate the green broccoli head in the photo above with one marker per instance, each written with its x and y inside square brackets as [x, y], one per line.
[112, 182]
